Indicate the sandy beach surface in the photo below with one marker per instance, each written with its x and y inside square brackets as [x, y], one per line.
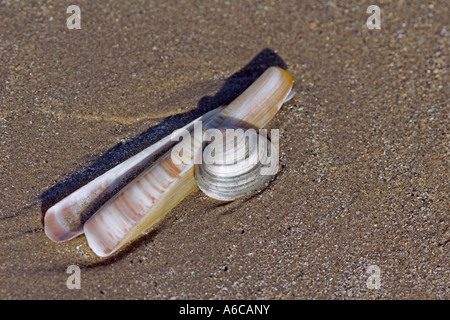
[364, 146]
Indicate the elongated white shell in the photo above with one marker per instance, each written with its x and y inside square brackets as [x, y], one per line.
[145, 201]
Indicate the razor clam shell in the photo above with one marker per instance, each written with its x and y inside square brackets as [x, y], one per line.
[236, 171]
[146, 200]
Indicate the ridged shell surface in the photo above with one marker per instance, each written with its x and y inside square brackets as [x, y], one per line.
[231, 164]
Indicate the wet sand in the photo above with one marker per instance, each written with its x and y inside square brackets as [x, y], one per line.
[364, 146]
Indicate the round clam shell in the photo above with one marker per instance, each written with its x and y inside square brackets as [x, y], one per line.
[235, 169]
